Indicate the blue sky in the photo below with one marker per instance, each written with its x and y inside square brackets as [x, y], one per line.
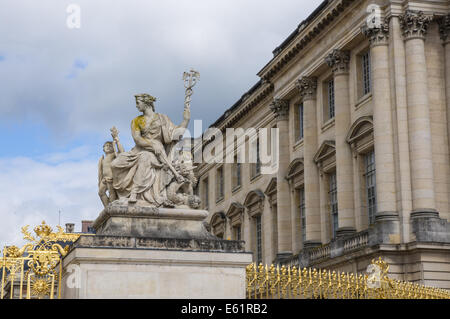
[62, 89]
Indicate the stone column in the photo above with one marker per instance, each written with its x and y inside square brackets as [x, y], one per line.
[308, 91]
[414, 25]
[281, 111]
[339, 61]
[444, 29]
[399, 103]
[324, 211]
[382, 122]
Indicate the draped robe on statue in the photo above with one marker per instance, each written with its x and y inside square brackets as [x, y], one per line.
[140, 170]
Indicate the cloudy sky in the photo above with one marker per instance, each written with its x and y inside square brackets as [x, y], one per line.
[62, 89]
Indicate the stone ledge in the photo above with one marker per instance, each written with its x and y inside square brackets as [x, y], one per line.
[190, 244]
[146, 211]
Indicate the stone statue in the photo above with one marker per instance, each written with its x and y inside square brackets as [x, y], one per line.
[149, 173]
[105, 174]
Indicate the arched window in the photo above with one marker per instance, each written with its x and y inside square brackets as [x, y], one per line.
[295, 176]
[325, 159]
[254, 202]
[218, 225]
[271, 193]
[361, 140]
[235, 215]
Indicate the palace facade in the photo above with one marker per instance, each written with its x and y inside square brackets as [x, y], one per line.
[362, 114]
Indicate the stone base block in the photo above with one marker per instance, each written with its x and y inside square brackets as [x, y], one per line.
[311, 244]
[152, 222]
[345, 231]
[120, 267]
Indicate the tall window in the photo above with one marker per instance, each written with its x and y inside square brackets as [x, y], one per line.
[236, 172]
[299, 121]
[256, 167]
[333, 204]
[274, 145]
[330, 99]
[302, 214]
[365, 67]
[237, 232]
[219, 193]
[370, 186]
[258, 240]
[258, 158]
[206, 193]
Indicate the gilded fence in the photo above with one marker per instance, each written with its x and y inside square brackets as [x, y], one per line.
[33, 271]
[265, 282]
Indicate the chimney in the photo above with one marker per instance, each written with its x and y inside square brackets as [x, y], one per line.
[70, 228]
[86, 226]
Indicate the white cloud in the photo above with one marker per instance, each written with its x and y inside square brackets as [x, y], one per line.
[127, 47]
[32, 191]
[131, 47]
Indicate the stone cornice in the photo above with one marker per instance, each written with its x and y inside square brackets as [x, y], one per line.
[377, 35]
[281, 109]
[304, 35]
[307, 87]
[241, 108]
[247, 102]
[338, 61]
[414, 24]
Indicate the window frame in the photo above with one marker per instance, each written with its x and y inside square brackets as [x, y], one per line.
[333, 203]
[366, 73]
[331, 107]
[205, 184]
[370, 185]
[220, 182]
[258, 234]
[302, 211]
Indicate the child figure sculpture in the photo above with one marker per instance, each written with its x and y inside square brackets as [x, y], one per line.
[105, 174]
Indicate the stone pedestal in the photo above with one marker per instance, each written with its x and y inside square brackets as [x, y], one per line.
[142, 221]
[144, 252]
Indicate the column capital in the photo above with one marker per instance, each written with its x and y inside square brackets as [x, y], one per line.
[444, 27]
[377, 35]
[307, 87]
[338, 60]
[280, 108]
[414, 24]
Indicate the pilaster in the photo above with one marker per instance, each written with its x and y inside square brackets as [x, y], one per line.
[383, 125]
[308, 91]
[339, 60]
[414, 26]
[281, 110]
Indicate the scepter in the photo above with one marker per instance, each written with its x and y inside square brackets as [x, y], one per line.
[190, 80]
